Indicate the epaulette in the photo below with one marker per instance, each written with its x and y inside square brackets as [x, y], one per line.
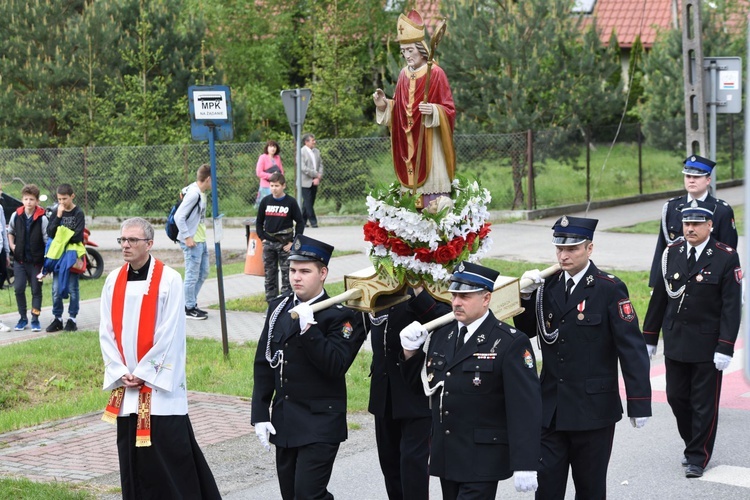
[722, 202]
[679, 241]
[608, 277]
[510, 330]
[674, 199]
[724, 247]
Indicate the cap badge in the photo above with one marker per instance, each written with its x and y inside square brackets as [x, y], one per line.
[564, 222]
[461, 267]
[693, 158]
[297, 245]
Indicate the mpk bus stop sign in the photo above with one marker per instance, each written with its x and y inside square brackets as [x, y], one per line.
[211, 120]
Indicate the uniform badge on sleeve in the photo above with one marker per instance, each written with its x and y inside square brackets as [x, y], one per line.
[347, 330]
[626, 310]
[528, 359]
[738, 274]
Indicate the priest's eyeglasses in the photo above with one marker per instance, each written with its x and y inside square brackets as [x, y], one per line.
[131, 241]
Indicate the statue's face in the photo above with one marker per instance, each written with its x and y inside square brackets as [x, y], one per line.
[412, 56]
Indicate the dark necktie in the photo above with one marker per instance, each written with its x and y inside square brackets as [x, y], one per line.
[691, 259]
[460, 340]
[568, 288]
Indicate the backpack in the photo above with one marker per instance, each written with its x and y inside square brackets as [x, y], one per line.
[171, 226]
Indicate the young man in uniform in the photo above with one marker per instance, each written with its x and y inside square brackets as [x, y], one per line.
[299, 392]
[585, 323]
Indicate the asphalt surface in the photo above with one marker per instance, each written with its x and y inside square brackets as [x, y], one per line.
[644, 464]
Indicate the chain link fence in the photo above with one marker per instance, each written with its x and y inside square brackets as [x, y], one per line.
[522, 171]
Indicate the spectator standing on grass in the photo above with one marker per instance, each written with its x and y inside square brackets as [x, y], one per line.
[312, 173]
[190, 219]
[279, 220]
[67, 215]
[4, 250]
[142, 338]
[269, 163]
[27, 233]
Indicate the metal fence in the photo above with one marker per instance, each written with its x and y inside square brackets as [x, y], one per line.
[556, 166]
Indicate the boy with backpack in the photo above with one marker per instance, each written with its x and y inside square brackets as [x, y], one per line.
[278, 222]
[191, 224]
[27, 235]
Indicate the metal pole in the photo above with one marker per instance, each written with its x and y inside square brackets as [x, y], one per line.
[217, 243]
[640, 159]
[298, 143]
[714, 82]
[746, 300]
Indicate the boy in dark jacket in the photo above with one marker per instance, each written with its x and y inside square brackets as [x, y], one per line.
[27, 235]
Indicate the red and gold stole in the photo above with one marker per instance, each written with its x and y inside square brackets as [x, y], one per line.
[146, 330]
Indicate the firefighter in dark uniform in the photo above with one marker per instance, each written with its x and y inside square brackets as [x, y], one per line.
[299, 393]
[584, 323]
[697, 171]
[480, 374]
[402, 416]
[697, 306]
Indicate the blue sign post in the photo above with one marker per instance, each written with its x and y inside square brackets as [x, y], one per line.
[211, 120]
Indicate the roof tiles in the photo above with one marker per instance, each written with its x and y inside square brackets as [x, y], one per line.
[630, 18]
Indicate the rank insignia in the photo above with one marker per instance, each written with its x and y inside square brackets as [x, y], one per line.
[480, 339]
[626, 310]
[738, 274]
[589, 279]
[709, 251]
[347, 330]
[494, 345]
[528, 360]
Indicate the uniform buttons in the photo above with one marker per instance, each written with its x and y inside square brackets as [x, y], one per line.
[476, 367]
[286, 344]
[562, 341]
[330, 407]
[562, 321]
[286, 397]
[446, 393]
[448, 374]
[561, 381]
[562, 360]
[286, 362]
[447, 432]
[286, 380]
[447, 412]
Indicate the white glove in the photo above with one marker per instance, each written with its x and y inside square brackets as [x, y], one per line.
[525, 480]
[536, 281]
[721, 361]
[262, 429]
[638, 422]
[413, 336]
[306, 316]
[651, 350]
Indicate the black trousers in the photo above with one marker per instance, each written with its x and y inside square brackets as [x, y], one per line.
[693, 391]
[172, 467]
[308, 203]
[404, 452]
[452, 490]
[585, 452]
[304, 471]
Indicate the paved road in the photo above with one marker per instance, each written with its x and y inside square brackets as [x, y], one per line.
[645, 462]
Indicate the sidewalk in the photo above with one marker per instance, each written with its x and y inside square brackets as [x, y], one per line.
[83, 448]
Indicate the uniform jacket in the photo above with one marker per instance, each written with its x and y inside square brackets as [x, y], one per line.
[486, 419]
[724, 229]
[385, 372]
[706, 317]
[310, 170]
[579, 369]
[305, 397]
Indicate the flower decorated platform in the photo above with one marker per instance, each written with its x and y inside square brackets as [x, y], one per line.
[421, 248]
